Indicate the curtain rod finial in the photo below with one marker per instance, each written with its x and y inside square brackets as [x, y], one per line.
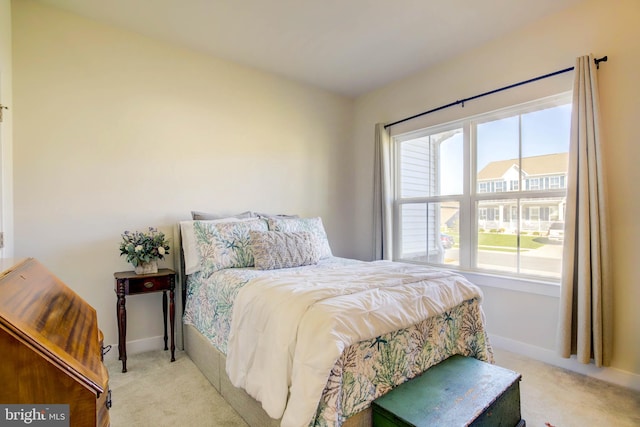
[599, 60]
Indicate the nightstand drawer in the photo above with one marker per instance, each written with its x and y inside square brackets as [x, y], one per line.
[148, 284]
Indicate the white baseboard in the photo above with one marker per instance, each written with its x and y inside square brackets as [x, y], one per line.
[610, 375]
[136, 346]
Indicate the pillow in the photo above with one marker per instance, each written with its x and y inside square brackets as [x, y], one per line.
[266, 215]
[312, 225]
[225, 244]
[278, 249]
[189, 247]
[197, 215]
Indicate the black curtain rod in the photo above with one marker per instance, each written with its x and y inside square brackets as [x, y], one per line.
[462, 101]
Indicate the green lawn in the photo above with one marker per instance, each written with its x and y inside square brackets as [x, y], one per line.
[508, 240]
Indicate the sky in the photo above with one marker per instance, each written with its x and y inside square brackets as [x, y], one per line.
[543, 132]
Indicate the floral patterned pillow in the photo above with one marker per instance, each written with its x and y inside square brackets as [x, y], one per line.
[225, 245]
[311, 225]
[277, 249]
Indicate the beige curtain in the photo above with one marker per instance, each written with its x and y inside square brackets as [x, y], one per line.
[382, 197]
[585, 327]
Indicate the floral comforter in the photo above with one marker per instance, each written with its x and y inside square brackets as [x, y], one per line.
[364, 370]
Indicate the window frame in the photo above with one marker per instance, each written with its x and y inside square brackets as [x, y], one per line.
[473, 193]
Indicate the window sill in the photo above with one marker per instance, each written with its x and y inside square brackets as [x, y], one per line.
[551, 289]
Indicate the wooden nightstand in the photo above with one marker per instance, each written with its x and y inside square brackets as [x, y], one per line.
[130, 283]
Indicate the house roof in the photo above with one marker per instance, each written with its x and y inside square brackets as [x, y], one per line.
[548, 164]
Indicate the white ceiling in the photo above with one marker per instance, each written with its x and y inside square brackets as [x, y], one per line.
[346, 46]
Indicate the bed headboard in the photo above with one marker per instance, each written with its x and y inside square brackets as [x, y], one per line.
[181, 289]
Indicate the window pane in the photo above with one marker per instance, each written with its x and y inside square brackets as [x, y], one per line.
[413, 231]
[451, 162]
[497, 235]
[546, 131]
[541, 236]
[545, 146]
[430, 232]
[539, 213]
[450, 232]
[432, 165]
[497, 149]
[522, 237]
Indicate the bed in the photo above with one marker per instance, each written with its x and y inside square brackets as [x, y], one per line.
[291, 335]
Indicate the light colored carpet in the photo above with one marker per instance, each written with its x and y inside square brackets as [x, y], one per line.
[556, 397]
[158, 393]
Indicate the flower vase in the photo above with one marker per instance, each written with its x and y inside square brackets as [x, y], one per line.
[147, 267]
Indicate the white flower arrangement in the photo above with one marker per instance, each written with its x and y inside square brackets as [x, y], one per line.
[139, 247]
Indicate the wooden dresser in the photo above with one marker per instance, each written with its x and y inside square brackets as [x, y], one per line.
[50, 345]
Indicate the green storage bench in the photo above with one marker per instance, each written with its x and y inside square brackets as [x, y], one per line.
[459, 391]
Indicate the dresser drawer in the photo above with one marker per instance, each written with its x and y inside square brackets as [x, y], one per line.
[148, 284]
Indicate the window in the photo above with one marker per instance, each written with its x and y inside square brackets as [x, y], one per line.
[480, 194]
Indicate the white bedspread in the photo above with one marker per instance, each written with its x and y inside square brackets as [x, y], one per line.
[288, 330]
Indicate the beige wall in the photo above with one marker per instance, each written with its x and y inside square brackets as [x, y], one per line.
[115, 131]
[6, 129]
[525, 320]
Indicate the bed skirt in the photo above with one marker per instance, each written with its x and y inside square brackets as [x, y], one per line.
[211, 363]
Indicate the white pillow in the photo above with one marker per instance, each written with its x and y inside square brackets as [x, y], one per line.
[207, 216]
[189, 248]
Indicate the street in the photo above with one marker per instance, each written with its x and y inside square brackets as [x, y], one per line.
[544, 261]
